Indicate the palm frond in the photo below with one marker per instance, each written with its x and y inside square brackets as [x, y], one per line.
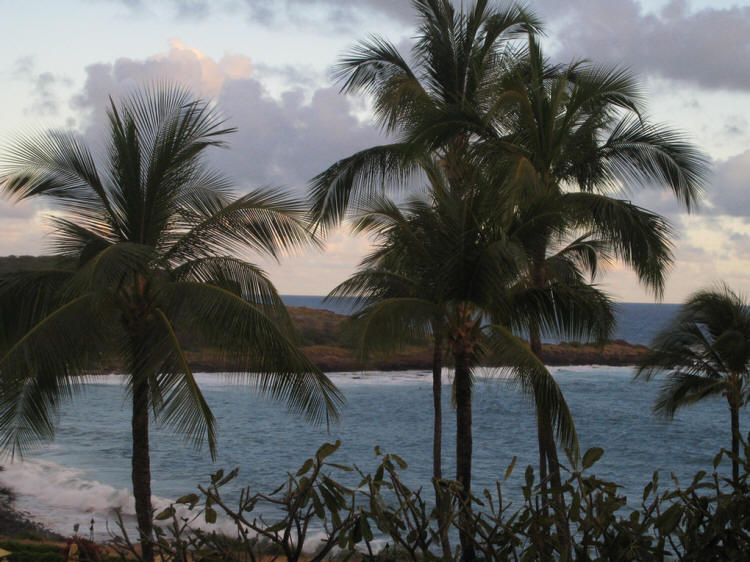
[241, 332]
[646, 154]
[44, 365]
[638, 237]
[535, 381]
[266, 221]
[392, 323]
[184, 406]
[350, 181]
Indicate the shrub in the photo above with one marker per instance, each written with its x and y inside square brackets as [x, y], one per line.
[707, 519]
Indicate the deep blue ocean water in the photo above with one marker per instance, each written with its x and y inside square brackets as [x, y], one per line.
[637, 322]
[85, 472]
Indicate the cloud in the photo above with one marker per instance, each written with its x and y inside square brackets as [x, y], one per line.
[283, 140]
[729, 193]
[22, 227]
[44, 96]
[337, 13]
[709, 47]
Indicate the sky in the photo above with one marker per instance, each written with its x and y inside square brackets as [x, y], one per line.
[267, 66]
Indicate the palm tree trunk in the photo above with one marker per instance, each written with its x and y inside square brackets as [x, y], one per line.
[437, 406]
[547, 445]
[437, 437]
[462, 382]
[141, 470]
[735, 411]
[542, 468]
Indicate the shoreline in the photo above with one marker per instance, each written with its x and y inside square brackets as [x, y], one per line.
[19, 525]
[335, 359]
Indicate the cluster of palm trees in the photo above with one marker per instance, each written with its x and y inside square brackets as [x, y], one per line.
[517, 169]
[502, 191]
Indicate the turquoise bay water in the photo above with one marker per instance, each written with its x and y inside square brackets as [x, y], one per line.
[85, 472]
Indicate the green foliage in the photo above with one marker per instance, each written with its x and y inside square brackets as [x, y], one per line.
[33, 552]
[709, 519]
[152, 231]
[12, 264]
[704, 352]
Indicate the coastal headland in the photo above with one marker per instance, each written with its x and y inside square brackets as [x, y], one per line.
[329, 340]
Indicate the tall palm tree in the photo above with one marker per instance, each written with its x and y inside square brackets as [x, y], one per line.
[705, 351]
[457, 59]
[154, 232]
[397, 298]
[577, 140]
[447, 268]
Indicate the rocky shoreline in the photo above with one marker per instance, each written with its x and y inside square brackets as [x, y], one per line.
[336, 359]
[17, 524]
[326, 340]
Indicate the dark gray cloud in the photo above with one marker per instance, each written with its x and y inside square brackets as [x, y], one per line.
[338, 13]
[709, 47]
[730, 189]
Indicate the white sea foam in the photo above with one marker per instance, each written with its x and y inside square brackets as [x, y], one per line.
[59, 496]
[349, 378]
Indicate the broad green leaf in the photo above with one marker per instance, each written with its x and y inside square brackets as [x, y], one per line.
[327, 449]
[509, 470]
[647, 490]
[365, 528]
[401, 462]
[190, 498]
[717, 458]
[668, 520]
[307, 465]
[229, 477]
[165, 514]
[340, 466]
[591, 456]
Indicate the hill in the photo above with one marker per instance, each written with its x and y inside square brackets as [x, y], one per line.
[325, 338]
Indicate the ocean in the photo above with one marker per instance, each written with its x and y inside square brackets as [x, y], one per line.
[85, 472]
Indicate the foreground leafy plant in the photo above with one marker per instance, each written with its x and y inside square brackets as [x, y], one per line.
[381, 518]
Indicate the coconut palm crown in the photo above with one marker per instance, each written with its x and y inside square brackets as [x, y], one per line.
[448, 267]
[429, 102]
[704, 351]
[153, 234]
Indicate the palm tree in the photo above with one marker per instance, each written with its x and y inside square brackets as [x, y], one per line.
[153, 232]
[396, 295]
[705, 351]
[447, 267]
[575, 137]
[458, 58]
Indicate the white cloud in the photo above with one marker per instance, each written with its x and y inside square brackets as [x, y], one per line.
[281, 140]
